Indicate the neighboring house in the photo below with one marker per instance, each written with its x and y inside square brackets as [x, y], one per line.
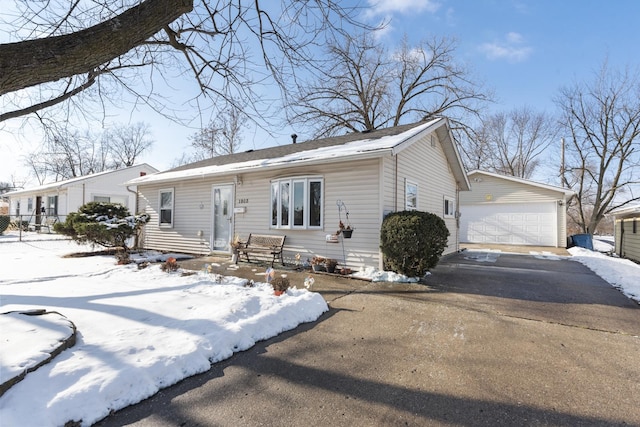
[303, 190]
[508, 210]
[63, 197]
[627, 232]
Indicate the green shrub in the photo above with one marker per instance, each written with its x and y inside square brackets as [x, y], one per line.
[4, 222]
[412, 242]
[106, 224]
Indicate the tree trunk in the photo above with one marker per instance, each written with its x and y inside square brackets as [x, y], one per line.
[32, 62]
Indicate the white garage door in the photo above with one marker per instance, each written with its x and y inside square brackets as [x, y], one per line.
[513, 224]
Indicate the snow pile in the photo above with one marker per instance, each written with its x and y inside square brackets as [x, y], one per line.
[620, 273]
[375, 275]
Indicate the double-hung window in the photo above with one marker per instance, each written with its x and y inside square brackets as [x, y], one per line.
[165, 218]
[297, 203]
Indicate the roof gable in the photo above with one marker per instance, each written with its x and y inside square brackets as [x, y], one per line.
[565, 191]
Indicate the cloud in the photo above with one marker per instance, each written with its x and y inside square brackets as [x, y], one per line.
[513, 48]
[388, 7]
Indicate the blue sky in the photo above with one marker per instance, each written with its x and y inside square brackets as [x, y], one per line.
[523, 50]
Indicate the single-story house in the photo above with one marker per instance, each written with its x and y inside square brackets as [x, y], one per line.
[514, 211]
[627, 232]
[58, 199]
[303, 190]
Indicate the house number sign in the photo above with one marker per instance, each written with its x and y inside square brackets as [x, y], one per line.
[243, 201]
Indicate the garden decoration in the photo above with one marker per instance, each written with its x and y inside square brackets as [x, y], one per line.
[345, 229]
[269, 274]
[308, 282]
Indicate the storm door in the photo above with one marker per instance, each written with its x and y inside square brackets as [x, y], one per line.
[222, 218]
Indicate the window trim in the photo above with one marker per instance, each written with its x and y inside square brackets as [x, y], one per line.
[408, 183]
[277, 183]
[172, 209]
[446, 213]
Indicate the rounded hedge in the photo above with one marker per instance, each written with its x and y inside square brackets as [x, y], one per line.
[412, 242]
[107, 224]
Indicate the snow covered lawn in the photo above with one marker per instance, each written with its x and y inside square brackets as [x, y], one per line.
[138, 330]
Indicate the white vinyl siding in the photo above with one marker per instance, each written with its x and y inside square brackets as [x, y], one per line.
[356, 183]
[427, 166]
[192, 218]
[627, 243]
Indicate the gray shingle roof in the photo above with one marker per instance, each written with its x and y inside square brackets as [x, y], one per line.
[283, 150]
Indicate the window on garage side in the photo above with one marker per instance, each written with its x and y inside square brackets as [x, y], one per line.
[296, 203]
[449, 208]
[411, 195]
[166, 208]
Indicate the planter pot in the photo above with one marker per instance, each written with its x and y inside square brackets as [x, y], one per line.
[278, 293]
[318, 267]
[331, 268]
[234, 258]
[347, 233]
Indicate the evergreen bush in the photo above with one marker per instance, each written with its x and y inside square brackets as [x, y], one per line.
[412, 242]
[106, 224]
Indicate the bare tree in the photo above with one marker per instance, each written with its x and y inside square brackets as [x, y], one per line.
[109, 48]
[66, 154]
[362, 86]
[511, 143]
[126, 143]
[601, 119]
[5, 187]
[222, 135]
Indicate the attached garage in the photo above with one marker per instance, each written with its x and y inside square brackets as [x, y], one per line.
[512, 211]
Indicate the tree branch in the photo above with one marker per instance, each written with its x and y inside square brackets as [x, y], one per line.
[32, 62]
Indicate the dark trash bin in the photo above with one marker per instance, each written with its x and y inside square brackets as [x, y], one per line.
[583, 241]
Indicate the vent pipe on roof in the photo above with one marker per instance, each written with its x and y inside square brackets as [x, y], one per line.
[294, 137]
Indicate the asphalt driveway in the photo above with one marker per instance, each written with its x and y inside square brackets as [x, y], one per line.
[543, 287]
[487, 340]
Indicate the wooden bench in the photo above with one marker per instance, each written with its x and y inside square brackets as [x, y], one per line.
[264, 245]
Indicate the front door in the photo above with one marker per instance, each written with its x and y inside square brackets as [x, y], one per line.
[222, 218]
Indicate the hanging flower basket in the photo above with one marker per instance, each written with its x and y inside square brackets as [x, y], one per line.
[346, 233]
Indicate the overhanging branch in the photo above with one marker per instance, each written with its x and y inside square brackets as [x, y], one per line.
[32, 62]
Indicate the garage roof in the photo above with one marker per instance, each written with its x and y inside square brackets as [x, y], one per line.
[564, 191]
